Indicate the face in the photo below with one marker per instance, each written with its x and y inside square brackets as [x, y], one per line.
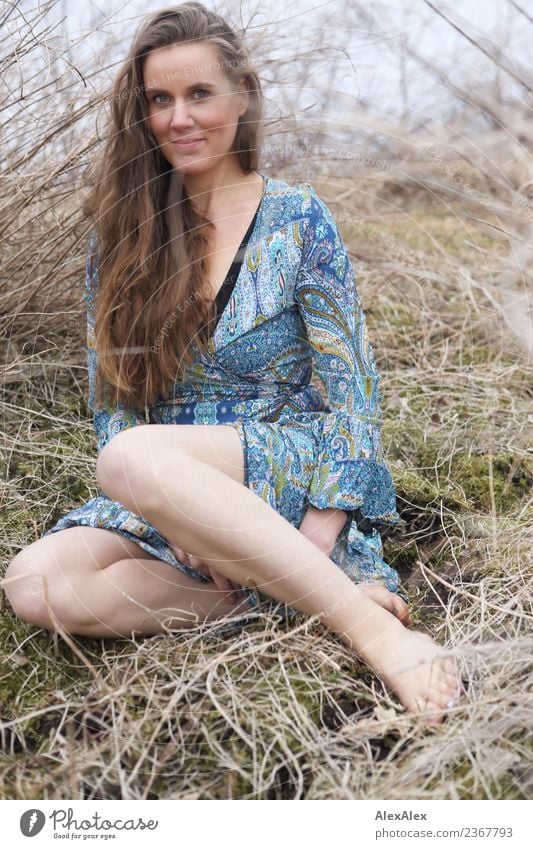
[190, 98]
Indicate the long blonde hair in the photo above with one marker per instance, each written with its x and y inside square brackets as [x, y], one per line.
[136, 201]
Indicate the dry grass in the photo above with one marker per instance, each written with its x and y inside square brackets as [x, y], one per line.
[285, 712]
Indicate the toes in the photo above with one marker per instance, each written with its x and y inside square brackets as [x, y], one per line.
[450, 666]
[448, 697]
[454, 685]
[447, 672]
[451, 676]
[430, 710]
[435, 715]
[444, 690]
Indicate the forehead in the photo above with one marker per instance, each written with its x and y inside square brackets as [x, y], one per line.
[182, 63]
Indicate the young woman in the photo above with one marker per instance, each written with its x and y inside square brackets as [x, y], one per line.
[212, 289]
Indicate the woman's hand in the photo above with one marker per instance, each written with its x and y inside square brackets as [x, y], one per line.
[232, 591]
[323, 527]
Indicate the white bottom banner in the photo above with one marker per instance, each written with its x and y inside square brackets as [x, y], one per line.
[357, 824]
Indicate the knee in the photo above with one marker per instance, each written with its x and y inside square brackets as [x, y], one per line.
[39, 594]
[28, 587]
[120, 466]
[132, 466]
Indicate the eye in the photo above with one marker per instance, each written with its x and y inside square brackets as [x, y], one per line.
[196, 90]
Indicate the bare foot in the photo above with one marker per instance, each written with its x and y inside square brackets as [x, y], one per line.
[390, 601]
[414, 667]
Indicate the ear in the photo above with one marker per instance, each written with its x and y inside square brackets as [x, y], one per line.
[244, 97]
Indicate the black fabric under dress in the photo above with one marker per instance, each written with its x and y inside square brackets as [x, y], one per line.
[224, 293]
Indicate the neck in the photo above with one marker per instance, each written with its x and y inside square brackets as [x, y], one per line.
[217, 188]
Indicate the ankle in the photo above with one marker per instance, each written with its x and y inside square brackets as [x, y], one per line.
[376, 631]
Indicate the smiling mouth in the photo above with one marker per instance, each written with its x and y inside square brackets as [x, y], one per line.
[185, 142]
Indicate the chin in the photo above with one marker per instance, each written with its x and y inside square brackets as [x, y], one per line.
[191, 165]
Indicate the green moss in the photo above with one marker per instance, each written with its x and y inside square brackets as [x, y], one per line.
[307, 696]
[50, 670]
[512, 479]
[469, 786]
[398, 316]
[61, 456]
[431, 474]
[428, 233]
[476, 355]
[401, 556]
[414, 487]
[241, 788]
[21, 522]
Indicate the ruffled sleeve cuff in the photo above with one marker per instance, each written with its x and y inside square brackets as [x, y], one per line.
[350, 473]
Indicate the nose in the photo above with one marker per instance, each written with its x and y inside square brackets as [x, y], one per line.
[180, 116]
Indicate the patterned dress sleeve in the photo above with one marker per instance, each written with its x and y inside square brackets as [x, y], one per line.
[108, 420]
[351, 473]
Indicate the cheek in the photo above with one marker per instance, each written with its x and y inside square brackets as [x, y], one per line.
[157, 122]
[218, 117]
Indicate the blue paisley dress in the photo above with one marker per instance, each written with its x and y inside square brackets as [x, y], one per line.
[292, 306]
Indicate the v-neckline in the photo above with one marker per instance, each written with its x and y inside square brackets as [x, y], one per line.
[229, 281]
[257, 216]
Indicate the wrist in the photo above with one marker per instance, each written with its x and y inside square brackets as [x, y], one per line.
[328, 514]
[323, 525]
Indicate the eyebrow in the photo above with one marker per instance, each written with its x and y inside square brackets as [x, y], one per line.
[190, 88]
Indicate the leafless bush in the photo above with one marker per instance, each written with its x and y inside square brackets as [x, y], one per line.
[437, 213]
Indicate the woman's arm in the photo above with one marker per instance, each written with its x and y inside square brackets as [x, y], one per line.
[107, 420]
[350, 472]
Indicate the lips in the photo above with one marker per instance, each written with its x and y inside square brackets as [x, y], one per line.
[187, 141]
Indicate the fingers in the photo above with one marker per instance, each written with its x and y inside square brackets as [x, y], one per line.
[402, 611]
[196, 562]
[232, 591]
[190, 560]
[180, 553]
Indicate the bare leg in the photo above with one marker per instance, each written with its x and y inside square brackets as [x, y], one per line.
[236, 532]
[147, 597]
[96, 583]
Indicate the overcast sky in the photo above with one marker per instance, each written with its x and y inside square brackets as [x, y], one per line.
[376, 68]
[362, 62]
